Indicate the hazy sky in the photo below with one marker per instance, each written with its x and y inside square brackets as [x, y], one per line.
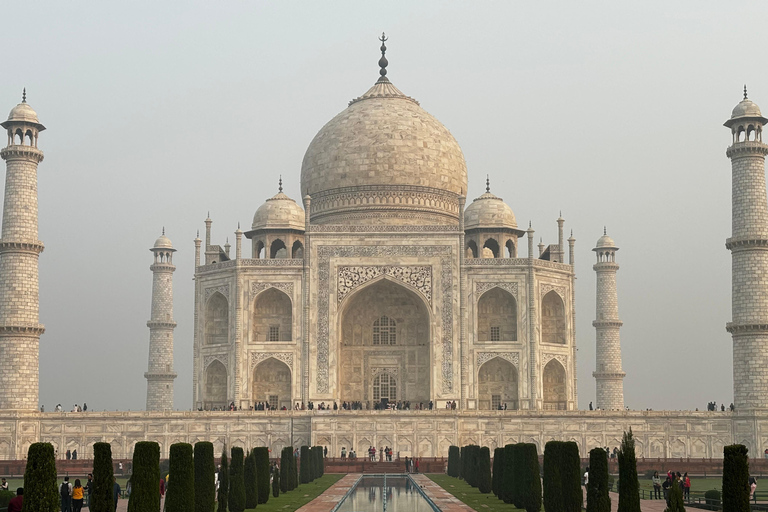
[159, 112]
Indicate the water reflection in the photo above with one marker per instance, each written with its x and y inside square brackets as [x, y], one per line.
[401, 496]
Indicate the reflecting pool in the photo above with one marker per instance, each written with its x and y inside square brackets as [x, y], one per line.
[400, 494]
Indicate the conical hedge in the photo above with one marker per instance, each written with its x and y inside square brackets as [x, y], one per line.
[236, 499]
[205, 481]
[40, 492]
[180, 496]
[145, 491]
[101, 494]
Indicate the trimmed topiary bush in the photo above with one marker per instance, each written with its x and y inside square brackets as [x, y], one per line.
[629, 496]
[507, 474]
[712, 497]
[285, 467]
[598, 499]
[101, 494]
[145, 491]
[180, 496]
[249, 477]
[40, 492]
[276, 484]
[570, 477]
[319, 462]
[498, 465]
[223, 496]
[676, 499]
[305, 465]
[261, 459]
[312, 463]
[205, 481]
[462, 461]
[553, 492]
[735, 478]
[453, 461]
[484, 470]
[529, 478]
[236, 499]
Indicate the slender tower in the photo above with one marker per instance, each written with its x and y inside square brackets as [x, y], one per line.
[20, 328]
[749, 256]
[160, 374]
[608, 375]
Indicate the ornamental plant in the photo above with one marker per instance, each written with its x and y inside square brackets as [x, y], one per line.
[735, 478]
[453, 461]
[498, 465]
[261, 464]
[305, 465]
[285, 467]
[40, 493]
[553, 491]
[236, 499]
[629, 496]
[180, 496]
[276, 484]
[249, 477]
[676, 500]
[223, 495]
[598, 499]
[507, 474]
[101, 494]
[529, 478]
[145, 491]
[484, 470]
[205, 481]
[570, 477]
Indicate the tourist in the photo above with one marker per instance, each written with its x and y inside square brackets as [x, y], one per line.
[656, 486]
[343, 453]
[42, 408]
[416, 465]
[115, 491]
[590, 406]
[85, 407]
[585, 478]
[381, 454]
[74, 454]
[686, 487]
[325, 452]
[65, 491]
[69, 454]
[665, 487]
[162, 487]
[752, 487]
[89, 487]
[3, 485]
[15, 505]
[77, 496]
[57, 409]
[407, 467]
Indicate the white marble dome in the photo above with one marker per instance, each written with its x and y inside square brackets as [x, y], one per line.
[746, 108]
[605, 242]
[23, 112]
[384, 157]
[279, 212]
[489, 211]
[163, 242]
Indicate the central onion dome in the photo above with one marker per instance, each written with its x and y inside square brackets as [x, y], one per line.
[384, 160]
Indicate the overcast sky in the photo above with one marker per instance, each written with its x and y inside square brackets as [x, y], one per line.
[159, 112]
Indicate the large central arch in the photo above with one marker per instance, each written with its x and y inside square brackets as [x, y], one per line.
[272, 383]
[385, 328]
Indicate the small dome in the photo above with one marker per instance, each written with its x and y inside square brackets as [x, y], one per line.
[23, 112]
[746, 108]
[489, 211]
[163, 242]
[605, 242]
[279, 212]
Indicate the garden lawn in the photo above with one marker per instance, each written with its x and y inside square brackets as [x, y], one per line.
[698, 483]
[300, 496]
[470, 495]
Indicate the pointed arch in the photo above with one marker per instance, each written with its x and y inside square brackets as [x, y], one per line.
[497, 384]
[491, 248]
[272, 316]
[217, 320]
[497, 316]
[511, 249]
[277, 249]
[272, 383]
[554, 386]
[258, 250]
[471, 249]
[215, 391]
[553, 319]
[297, 251]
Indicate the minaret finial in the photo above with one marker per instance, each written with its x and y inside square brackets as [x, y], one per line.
[198, 233]
[280, 183]
[487, 183]
[745, 91]
[238, 225]
[383, 60]
[163, 230]
[605, 230]
[24, 95]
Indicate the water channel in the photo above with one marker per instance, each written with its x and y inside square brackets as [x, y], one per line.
[385, 493]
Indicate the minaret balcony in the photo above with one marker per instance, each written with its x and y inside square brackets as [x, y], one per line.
[746, 243]
[160, 375]
[159, 324]
[607, 323]
[20, 246]
[735, 328]
[609, 375]
[747, 148]
[18, 151]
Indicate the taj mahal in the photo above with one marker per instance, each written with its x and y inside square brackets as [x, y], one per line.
[384, 284]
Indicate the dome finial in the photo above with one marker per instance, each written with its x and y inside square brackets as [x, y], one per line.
[163, 230]
[24, 95]
[605, 230]
[487, 183]
[280, 183]
[383, 60]
[745, 91]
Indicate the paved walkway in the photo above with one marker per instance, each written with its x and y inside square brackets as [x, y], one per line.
[446, 501]
[326, 501]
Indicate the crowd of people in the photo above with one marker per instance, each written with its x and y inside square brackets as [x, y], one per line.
[59, 408]
[712, 406]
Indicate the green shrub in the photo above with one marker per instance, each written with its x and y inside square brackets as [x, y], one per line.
[319, 461]
[530, 478]
[205, 481]
[712, 497]
[261, 459]
[295, 464]
[735, 478]
[40, 493]
[145, 491]
[101, 494]
[249, 477]
[507, 474]
[305, 465]
[236, 499]
[629, 496]
[676, 499]
[518, 488]
[285, 467]
[462, 461]
[470, 460]
[312, 463]
[570, 477]
[553, 492]
[6, 497]
[276, 484]
[223, 496]
[484, 470]
[180, 496]
[498, 464]
[598, 499]
[453, 461]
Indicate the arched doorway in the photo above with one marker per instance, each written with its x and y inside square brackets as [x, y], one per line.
[552, 319]
[554, 386]
[216, 320]
[272, 316]
[385, 329]
[497, 385]
[215, 394]
[496, 316]
[272, 383]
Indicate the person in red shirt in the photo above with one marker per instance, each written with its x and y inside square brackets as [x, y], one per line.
[162, 487]
[15, 504]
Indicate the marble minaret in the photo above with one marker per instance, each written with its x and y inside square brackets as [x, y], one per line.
[608, 375]
[20, 328]
[749, 256]
[160, 374]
